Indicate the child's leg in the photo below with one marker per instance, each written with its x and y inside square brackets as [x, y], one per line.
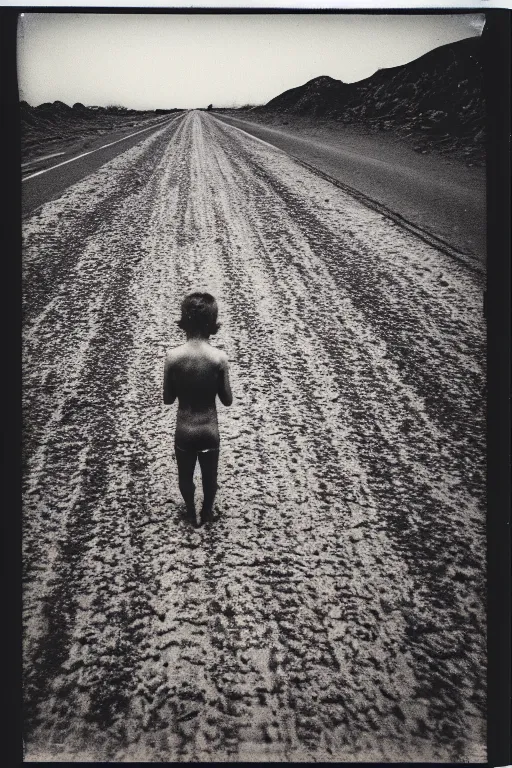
[186, 461]
[209, 462]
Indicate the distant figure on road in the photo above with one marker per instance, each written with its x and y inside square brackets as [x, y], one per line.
[196, 373]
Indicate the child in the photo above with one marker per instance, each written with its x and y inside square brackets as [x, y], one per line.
[196, 373]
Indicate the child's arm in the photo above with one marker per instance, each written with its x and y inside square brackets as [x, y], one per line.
[169, 391]
[225, 394]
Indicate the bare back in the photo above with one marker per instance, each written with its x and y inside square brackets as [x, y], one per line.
[195, 373]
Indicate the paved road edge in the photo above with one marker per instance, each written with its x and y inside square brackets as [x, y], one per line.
[441, 245]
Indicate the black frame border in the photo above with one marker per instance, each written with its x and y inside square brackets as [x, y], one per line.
[498, 92]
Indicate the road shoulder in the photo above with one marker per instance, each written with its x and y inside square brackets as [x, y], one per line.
[443, 198]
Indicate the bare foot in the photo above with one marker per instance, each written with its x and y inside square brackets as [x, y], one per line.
[191, 515]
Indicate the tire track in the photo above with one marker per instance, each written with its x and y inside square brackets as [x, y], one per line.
[399, 496]
[334, 609]
[89, 410]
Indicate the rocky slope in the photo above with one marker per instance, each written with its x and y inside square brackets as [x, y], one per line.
[438, 99]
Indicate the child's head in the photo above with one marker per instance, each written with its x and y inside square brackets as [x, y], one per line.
[199, 315]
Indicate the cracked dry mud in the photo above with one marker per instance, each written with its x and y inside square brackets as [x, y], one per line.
[335, 607]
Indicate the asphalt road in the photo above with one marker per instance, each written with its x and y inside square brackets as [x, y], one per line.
[40, 188]
[334, 610]
[446, 200]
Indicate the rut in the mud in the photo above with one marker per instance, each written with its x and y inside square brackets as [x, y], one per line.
[334, 609]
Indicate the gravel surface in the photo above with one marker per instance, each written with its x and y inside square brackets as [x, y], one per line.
[335, 607]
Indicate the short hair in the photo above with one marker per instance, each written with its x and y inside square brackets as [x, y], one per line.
[199, 314]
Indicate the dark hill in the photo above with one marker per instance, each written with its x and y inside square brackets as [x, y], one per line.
[438, 97]
[55, 123]
[316, 97]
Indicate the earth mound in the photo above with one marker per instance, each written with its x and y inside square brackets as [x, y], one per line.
[317, 97]
[438, 99]
[53, 125]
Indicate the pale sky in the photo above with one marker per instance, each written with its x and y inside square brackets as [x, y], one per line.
[149, 61]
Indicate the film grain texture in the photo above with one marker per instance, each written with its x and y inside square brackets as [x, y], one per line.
[334, 608]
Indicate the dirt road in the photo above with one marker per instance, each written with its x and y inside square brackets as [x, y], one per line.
[334, 609]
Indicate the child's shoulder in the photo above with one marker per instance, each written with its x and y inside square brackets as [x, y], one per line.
[223, 356]
[173, 353]
[218, 354]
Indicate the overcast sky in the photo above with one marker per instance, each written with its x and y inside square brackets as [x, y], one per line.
[148, 61]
